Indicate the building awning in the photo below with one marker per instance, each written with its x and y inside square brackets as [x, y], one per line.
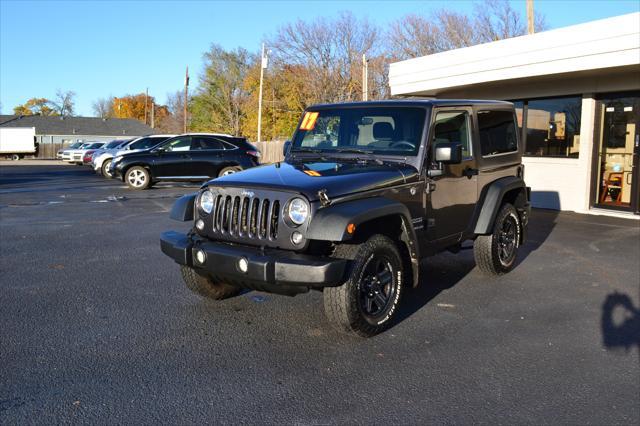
[585, 49]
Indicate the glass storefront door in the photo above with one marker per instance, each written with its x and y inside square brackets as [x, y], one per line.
[618, 153]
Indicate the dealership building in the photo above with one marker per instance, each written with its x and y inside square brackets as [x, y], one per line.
[577, 96]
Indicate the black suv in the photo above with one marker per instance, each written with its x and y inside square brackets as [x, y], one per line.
[189, 157]
[365, 192]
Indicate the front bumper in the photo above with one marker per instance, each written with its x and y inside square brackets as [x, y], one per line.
[271, 270]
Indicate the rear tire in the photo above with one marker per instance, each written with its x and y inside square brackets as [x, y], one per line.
[137, 177]
[496, 254]
[206, 287]
[105, 168]
[229, 171]
[15, 157]
[367, 302]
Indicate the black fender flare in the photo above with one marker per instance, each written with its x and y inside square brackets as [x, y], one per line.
[493, 200]
[183, 208]
[330, 224]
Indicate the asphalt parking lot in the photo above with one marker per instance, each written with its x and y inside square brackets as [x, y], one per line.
[97, 326]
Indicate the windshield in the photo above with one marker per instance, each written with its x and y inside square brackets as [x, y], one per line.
[75, 145]
[377, 130]
[112, 144]
[95, 145]
[148, 142]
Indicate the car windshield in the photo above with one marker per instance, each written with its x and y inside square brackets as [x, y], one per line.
[75, 145]
[146, 143]
[95, 145]
[373, 130]
[112, 144]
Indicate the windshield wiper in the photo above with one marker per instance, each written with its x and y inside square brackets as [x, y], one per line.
[306, 149]
[370, 155]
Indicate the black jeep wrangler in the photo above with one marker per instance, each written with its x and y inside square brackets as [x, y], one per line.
[366, 191]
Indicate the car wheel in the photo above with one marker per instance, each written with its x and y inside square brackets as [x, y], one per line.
[105, 168]
[496, 253]
[15, 157]
[367, 302]
[229, 171]
[138, 178]
[205, 286]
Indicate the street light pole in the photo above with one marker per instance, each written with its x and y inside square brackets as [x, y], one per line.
[530, 17]
[263, 65]
[365, 78]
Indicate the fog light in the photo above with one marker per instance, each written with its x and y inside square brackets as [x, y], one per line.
[200, 257]
[243, 265]
[296, 238]
[200, 224]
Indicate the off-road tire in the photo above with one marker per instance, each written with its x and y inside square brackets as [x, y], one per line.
[344, 305]
[487, 248]
[205, 286]
[229, 170]
[143, 181]
[105, 167]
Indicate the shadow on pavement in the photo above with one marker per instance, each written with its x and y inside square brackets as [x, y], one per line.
[620, 322]
[444, 271]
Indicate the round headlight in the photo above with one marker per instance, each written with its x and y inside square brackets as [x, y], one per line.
[298, 211]
[206, 201]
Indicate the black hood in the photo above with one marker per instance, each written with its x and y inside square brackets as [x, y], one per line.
[336, 177]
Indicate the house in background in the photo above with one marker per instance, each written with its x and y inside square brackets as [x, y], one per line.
[55, 132]
[577, 96]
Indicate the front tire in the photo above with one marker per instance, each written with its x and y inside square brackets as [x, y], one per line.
[205, 286]
[105, 168]
[496, 253]
[138, 178]
[366, 304]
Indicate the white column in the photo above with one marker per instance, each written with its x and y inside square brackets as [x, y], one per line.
[587, 139]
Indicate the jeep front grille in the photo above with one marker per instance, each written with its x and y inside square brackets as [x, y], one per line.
[246, 217]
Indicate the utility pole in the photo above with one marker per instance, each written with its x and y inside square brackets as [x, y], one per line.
[153, 115]
[146, 97]
[263, 65]
[186, 97]
[365, 78]
[530, 18]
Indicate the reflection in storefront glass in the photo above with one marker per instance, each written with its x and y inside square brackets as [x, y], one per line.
[553, 127]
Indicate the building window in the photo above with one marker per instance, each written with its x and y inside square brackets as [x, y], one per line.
[497, 131]
[552, 126]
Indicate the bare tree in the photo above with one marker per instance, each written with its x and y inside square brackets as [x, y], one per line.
[173, 122]
[414, 35]
[64, 102]
[330, 51]
[103, 107]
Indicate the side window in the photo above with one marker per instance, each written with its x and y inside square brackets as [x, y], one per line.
[497, 132]
[453, 126]
[204, 142]
[178, 144]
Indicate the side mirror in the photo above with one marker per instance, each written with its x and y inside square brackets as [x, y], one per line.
[448, 153]
[286, 147]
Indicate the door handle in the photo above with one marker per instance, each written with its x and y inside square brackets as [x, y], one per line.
[469, 172]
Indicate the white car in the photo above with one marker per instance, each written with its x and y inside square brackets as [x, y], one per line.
[67, 154]
[102, 161]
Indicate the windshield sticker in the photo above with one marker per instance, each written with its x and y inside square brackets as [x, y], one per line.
[309, 121]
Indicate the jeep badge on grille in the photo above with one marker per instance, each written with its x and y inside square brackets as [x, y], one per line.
[246, 193]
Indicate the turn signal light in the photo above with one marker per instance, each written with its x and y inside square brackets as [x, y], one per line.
[351, 228]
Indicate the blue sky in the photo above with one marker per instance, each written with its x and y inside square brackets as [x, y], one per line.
[102, 48]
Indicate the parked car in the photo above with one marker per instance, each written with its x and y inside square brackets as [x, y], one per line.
[366, 191]
[60, 153]
[76, 156]
[67, 154]
[87, 159]
[102, 161]
[188, 157]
